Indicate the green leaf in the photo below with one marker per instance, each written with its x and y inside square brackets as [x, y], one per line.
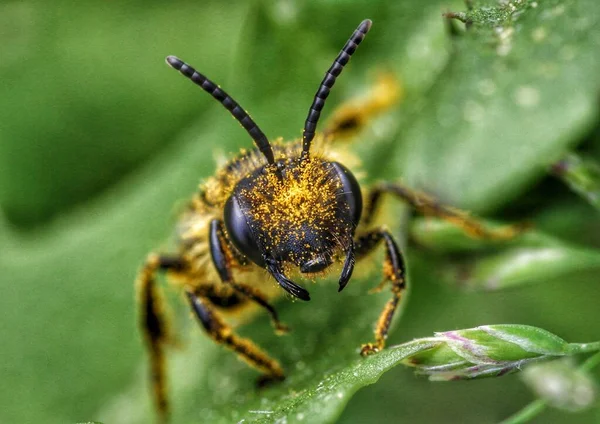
[514, 97]
[71, 350]
[532, 258]
[525, 265]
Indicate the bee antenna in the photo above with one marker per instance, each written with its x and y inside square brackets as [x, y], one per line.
[334, 71]
[231, 105]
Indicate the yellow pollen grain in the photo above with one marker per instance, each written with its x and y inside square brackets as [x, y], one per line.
[305, 196]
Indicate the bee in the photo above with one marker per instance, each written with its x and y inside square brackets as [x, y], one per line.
[277, 212]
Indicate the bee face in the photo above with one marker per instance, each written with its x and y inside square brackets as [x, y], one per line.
[301, 213]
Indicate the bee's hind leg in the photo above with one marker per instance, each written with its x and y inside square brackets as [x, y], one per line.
[354, 115]
[155, 325]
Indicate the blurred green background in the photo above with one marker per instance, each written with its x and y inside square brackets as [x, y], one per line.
[100, 141]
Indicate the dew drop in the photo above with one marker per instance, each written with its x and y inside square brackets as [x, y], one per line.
[567, 53]
[539, 34]
[527, 96]
[473, 111]
[487, 87]
[558, 10]
[286, 11]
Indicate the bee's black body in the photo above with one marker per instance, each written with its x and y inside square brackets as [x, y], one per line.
[274, 214]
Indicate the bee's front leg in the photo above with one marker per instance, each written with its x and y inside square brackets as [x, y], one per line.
[222, 258]
[393, 271]
[223, 334]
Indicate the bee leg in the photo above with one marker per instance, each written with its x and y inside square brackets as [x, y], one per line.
[429, 206]
[154, 324]
[393, 271]
[259, 297]
[223, 334]
[222, 259]
[351, 117]
[220, 295]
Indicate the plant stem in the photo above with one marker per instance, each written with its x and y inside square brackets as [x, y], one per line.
[591, 362]
[528, 413]
[576, 348]
[539, 405]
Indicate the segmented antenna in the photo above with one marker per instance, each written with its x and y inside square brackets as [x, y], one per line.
[231, 105]
[334, 71]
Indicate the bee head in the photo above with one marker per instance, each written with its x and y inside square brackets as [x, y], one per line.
[300, 213]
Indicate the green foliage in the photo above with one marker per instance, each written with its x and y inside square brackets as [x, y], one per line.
[90, 105]
[583, 176]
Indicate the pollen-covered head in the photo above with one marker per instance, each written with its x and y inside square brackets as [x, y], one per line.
[300, 214]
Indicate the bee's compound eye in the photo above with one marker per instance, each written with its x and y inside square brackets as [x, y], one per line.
[351, 191]
[240, 232]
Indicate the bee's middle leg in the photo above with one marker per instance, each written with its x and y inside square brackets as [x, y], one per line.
[429, 206]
